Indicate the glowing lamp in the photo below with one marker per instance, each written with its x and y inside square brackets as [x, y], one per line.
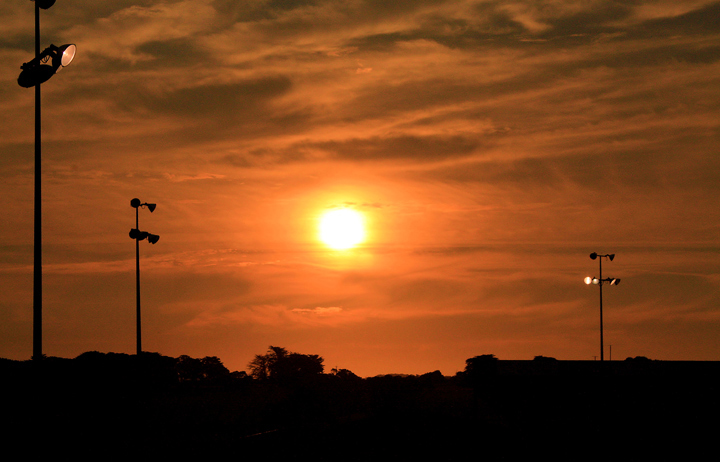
[45, 65]
[65, 56]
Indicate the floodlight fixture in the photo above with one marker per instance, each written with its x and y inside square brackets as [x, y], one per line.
[595, 255]
[136, 234]
[135, 203]
[46, 64]
[597, 281]
[142, 235]
[44, 4]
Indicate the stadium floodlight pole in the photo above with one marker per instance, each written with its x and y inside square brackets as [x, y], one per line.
[600, 281]
[138, 235]
[34, 73]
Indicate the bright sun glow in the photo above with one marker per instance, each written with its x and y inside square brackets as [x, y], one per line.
[342, 229]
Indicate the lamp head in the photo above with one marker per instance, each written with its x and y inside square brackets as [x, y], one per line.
[35, 74]
[615, 282]
[593, 255]
[588, 280]
[135, 203]
[138, 235]
[151, 207]
[44, 4]
[153, 238]
[45, 65]
[65, 55]
[611, 256]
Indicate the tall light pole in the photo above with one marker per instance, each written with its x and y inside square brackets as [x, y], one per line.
[138, 235]
[600, 281]
[33, 74]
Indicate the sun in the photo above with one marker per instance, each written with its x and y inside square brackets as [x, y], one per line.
[342, 229]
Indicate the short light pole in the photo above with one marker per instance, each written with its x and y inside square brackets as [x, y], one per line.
[138, 235]
[34, 73]
[600, 281]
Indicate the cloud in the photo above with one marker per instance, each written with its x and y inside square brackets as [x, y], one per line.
[119, 35]
[318, 311]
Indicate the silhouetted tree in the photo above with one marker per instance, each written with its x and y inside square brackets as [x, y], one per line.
[299, 365]
[482, 364]
[156, 369]
[344, 374]
[189, 369]
[432, 378]
[264, 366]
[276, 360]
[239, 375]
[479, 369]
[278, 363]
[213, 369]
[259, 367]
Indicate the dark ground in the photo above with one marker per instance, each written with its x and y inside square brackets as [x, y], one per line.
[512, 410]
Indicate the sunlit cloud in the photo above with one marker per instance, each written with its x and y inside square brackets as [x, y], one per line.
[319, 311]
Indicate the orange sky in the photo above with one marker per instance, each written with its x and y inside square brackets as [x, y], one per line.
[491, 145]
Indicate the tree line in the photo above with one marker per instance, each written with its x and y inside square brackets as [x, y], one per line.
[288, 405]
[276, 365]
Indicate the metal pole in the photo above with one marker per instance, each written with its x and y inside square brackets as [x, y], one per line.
[37, 258]
[602, 349]
[137, 285]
